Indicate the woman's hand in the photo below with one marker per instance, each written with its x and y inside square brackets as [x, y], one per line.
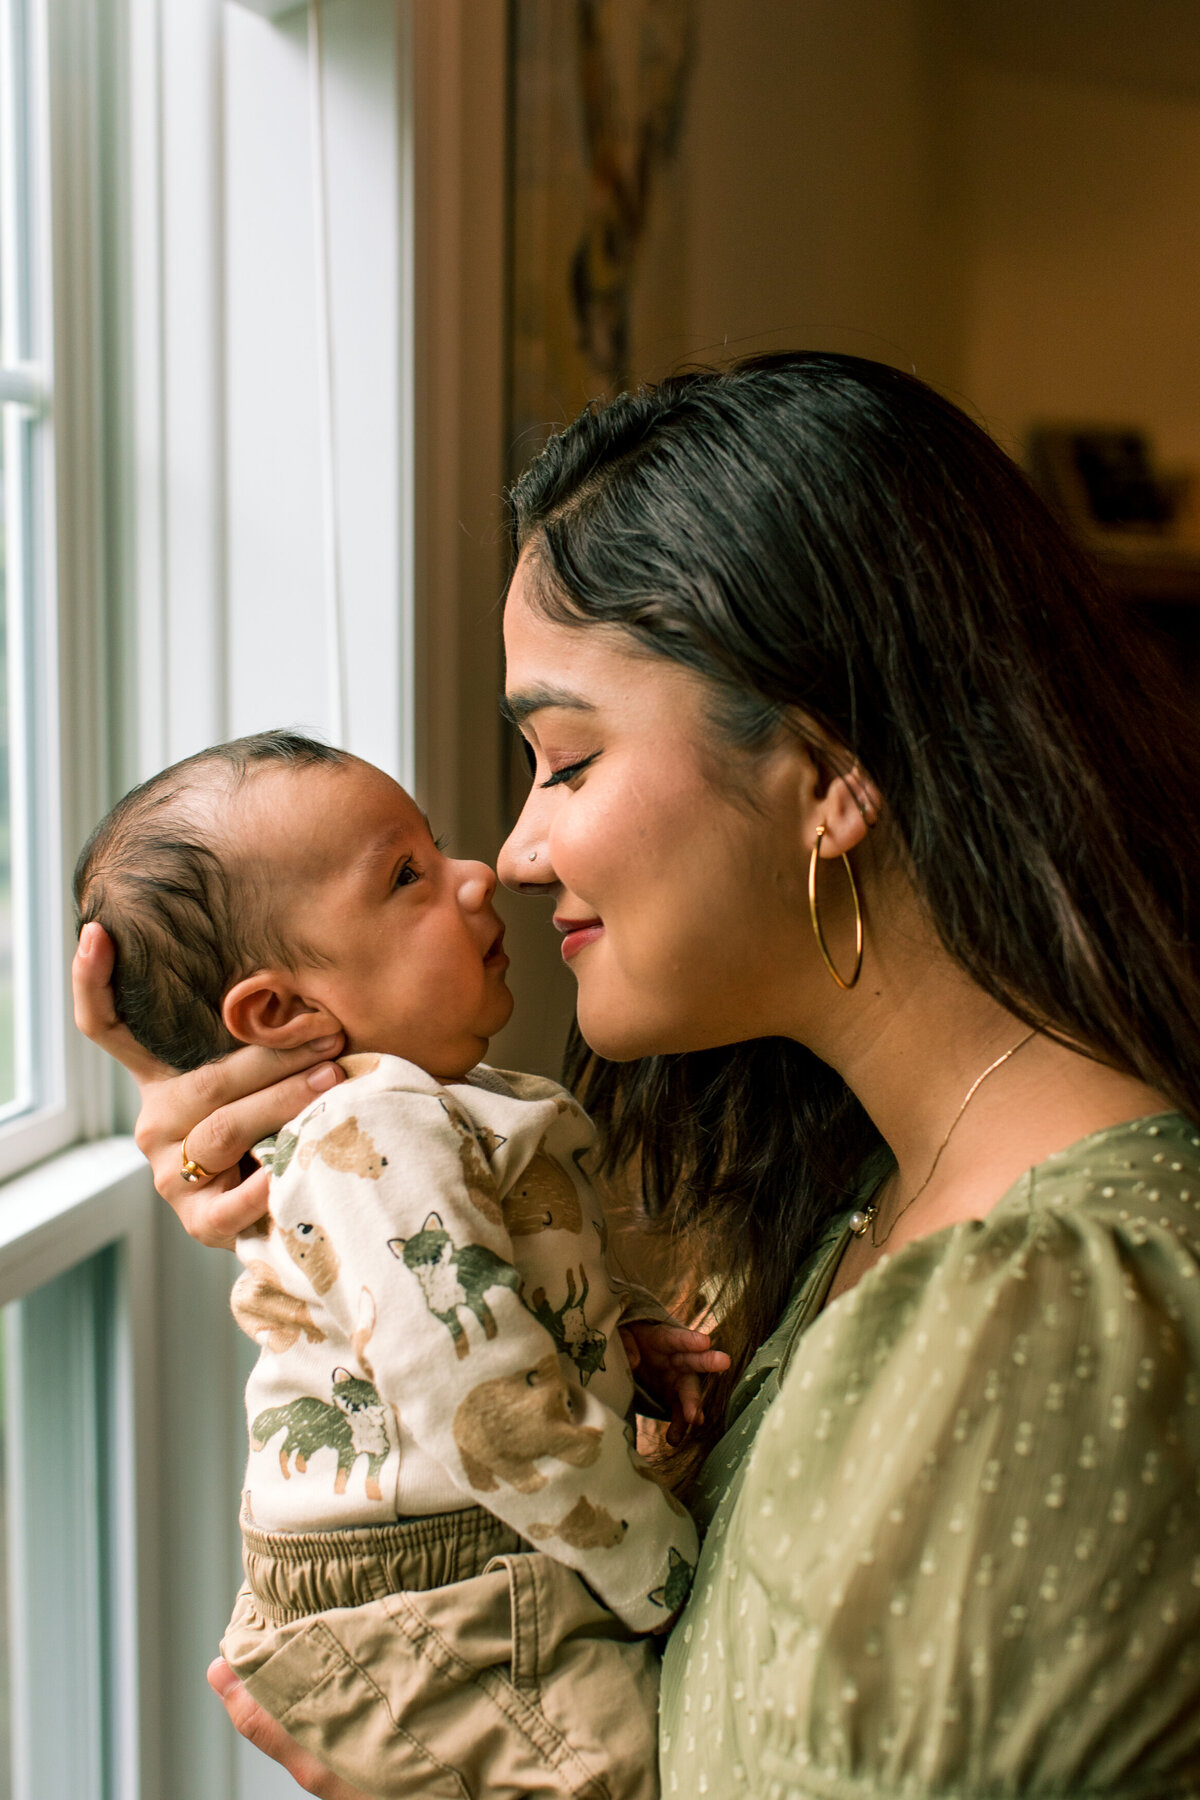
[267, 1735]
[221, 1109]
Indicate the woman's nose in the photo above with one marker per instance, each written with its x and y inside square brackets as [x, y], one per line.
[476, 885]
[524, 861]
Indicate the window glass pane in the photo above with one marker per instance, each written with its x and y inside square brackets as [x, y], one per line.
[58, 1423]
[26, 929]
[17, 265]
[6, 1783]
[8, 1069]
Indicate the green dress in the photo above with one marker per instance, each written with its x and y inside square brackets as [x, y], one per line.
[954, 1528]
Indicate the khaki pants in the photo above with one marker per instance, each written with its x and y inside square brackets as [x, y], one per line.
[436, 1657]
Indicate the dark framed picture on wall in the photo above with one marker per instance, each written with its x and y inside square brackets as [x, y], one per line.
[598, 92]
[598, 106]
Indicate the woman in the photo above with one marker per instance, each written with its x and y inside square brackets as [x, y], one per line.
[873, 842]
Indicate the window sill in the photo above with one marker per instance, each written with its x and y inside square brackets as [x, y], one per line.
[66, 1209]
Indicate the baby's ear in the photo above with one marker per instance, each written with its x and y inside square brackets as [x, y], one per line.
[268, 1008]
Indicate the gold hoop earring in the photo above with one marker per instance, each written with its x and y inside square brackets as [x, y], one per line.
[816, 917]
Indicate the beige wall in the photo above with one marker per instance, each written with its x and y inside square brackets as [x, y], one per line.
[1083, 220]
[1002, 194]
[820, 184]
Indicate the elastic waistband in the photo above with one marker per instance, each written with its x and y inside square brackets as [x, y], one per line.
[294, 1574]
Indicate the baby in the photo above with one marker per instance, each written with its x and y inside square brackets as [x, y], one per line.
[442, 1381]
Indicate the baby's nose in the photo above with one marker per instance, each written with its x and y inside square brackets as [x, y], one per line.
[476, 886]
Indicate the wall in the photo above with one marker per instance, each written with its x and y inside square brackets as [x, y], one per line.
[1083, 295]
[821, 204]
[1002, 194]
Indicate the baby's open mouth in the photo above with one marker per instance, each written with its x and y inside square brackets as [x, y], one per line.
[496, 952]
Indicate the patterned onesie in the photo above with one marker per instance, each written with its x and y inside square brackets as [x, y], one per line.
[438, 1333]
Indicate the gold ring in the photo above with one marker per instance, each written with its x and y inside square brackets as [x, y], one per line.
[191, 1171]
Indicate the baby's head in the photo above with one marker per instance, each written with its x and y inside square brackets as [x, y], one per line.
[274, 890]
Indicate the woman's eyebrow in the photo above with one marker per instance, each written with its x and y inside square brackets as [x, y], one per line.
[517, 707]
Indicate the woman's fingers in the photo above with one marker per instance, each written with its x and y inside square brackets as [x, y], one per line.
[223, 1109]
[267, 1735]
[95, 1014]
[215, 1214]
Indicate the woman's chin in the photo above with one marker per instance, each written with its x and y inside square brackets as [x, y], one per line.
[617, 1034]
[616, 1041]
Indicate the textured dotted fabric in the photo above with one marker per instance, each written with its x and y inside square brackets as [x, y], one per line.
[954, 1529]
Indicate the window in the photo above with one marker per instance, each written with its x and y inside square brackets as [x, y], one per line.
[75, 1230]
[45, 532]
[24, 389]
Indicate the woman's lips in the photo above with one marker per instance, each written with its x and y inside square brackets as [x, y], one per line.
[577, 934]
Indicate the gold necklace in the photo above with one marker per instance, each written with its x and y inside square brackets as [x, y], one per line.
[864, 1220]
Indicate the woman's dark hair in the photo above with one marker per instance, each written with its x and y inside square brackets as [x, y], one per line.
[829, 542]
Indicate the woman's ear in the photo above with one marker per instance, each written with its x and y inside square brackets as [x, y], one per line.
[852, 805]
[267, 1008]
[846, 802]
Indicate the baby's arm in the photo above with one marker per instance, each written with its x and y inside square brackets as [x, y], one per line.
[474, 1376]
[670, 1362]
[669, 1359]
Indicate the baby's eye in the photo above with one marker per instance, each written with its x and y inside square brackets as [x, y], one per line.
[407, 873]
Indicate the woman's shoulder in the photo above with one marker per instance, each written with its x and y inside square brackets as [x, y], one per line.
[1064, 1325]
[1128, 1186]
[1108, 1227]
[1081, 1221]
[1141, 1165]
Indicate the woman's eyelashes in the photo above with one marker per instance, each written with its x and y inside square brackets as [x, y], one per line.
[569, 771]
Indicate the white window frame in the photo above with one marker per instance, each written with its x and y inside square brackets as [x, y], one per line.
[82, 1551]
[78, 1361]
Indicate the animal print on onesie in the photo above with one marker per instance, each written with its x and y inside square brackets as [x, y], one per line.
[438, 1327]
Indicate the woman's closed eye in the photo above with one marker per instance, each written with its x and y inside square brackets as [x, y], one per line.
[569, 771]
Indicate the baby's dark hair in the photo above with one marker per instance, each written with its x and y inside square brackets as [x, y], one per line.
[185, 928]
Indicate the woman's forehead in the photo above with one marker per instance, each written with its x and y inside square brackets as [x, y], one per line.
[587, 669]
[544, 657]
[567, 663]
